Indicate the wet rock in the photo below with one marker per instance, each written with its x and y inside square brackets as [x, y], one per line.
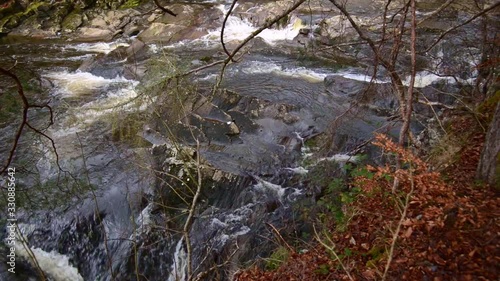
[342, 86]
[94, 34]
[106, 65]
[258, 14]
[192, 22]
[72, 21]
[376, 96]
[159, 32]
[190, 33]
[131, 30]
[110, 4]
[337, 26]
[216, 131]
[118, 19]
[185, 14]
[14, 21]
[304, 31]
[137, 51]
[84, 3]
[99, 22]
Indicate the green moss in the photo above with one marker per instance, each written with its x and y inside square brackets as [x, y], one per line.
[131, 4]
[127, 128]
[10, 105]
[33, 7]
[16, 19]
[72, 21]
[10, 22]
[277, 258]
[376, 253]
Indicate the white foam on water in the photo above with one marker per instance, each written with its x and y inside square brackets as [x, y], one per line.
[311, 75]
[278, 190]
[61, 133]
[259, 67]
[233, 218]
[298, 170]
[178, 269]
[341, 158]
[425, 78]
[100, 47]
[117, 100]
[55, 265]
[218, 223]
[209, 77]
[144, 220]
[422, 80]
[63, 58]
[111, 96]
[80, 83]
[243, 230]
[238, 30]
[361, 77]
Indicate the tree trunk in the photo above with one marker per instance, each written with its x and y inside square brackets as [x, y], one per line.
[488, 168]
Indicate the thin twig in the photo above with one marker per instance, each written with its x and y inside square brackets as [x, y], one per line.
[164, 9]
[395, 234]
[280, 237]
[330, 248]
[490, 8]
[189, 220]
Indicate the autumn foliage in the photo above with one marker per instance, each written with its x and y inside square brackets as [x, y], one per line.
[424, 228]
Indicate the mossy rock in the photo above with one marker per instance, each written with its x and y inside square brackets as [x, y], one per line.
[7, 9]
[35, 6]
[10, 22]
[82, 4]
[72, 21]
[13, 21]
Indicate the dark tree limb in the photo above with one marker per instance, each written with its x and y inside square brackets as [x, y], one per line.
[224, 27]
[490, 8]
[24, 122]
[164, 9]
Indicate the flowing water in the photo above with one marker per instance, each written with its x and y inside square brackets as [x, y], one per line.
[97, 221]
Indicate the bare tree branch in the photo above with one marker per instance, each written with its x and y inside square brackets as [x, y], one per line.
[490, 8]
[26, 107]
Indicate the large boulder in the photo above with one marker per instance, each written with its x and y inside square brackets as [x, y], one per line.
[259, 14]
[72, 21]
[94, 34]
[160, 32]
[336, 27]
[192, 22]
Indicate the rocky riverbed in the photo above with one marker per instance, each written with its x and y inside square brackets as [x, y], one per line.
[134, 134]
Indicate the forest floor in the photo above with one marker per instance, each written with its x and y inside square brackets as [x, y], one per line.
[438, 224]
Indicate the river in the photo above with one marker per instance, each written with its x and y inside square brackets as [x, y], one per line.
[101, 215]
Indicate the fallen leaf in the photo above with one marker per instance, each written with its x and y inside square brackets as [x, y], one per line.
[408, 232]
[352, 241]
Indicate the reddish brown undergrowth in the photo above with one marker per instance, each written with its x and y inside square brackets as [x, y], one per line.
[445, 230]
